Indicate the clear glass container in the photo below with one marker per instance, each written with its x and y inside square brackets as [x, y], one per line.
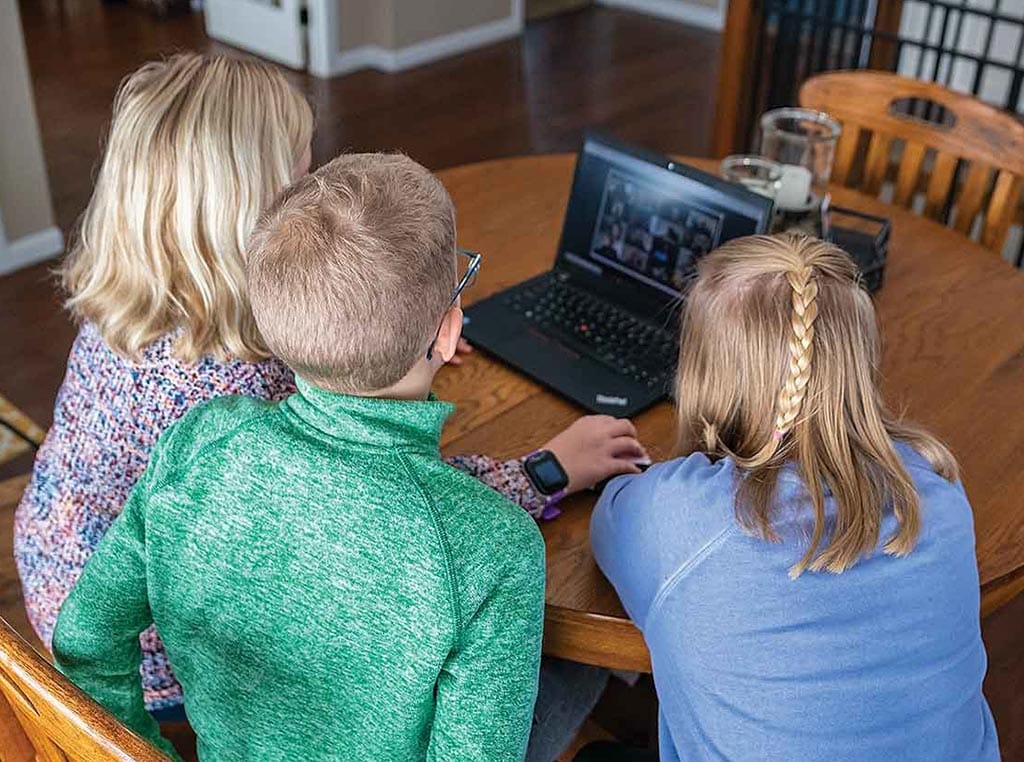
[755, 173]
[804, 143]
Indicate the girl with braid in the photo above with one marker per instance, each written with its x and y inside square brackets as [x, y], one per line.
[803, 571]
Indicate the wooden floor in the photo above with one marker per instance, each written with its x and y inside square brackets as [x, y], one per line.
[645, 80]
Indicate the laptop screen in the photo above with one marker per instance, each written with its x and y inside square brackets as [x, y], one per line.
[638, 223]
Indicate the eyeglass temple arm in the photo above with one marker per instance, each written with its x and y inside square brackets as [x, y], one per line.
[474, 266]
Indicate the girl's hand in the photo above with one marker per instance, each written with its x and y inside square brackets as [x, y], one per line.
[595, 448]
[464, 348]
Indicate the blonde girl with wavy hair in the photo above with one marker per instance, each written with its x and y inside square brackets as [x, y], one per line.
[803, 571]
[198, 147]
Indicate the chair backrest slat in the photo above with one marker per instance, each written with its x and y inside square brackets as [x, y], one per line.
[846, 152]
[910, 169]
[971, 197]
[877, 163]
[939, 185]
[45, 718]
[1001, 209]
[925, 117]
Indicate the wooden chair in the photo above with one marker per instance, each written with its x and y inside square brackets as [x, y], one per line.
[44, 718]
[877, 111]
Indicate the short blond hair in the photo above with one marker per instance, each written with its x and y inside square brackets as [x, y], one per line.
[198, 146]
[779, 362]
[352, 269]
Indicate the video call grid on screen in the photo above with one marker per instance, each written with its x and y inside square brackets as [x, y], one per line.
[650, 235]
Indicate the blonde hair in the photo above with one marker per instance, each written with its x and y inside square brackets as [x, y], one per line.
[198, 146]
[352, 269]
[779, 362]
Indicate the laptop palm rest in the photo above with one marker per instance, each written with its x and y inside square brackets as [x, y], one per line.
[544, 358]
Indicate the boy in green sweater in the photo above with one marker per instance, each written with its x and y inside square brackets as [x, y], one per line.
[327, 587]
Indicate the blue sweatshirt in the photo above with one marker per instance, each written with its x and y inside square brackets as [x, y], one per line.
[882, 662]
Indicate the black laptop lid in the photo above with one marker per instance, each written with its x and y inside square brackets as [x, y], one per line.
[638, 223]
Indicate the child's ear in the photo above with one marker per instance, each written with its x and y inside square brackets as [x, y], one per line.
[451, 331]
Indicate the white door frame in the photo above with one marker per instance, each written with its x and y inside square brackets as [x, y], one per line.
[323, 34]
[268, 30]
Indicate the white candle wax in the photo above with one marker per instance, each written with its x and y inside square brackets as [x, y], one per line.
[794, 188]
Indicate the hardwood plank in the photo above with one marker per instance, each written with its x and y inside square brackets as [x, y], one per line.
[482, 389]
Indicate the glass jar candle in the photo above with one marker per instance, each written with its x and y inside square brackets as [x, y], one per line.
[803, 142]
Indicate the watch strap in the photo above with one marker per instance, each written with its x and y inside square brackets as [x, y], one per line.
[550, 509]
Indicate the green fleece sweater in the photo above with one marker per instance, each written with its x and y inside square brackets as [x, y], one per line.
[326, 587]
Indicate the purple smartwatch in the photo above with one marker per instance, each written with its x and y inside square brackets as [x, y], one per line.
[548, 478]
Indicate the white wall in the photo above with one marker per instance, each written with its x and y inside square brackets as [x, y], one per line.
[393, 35]
[27, 230]
[709, 14]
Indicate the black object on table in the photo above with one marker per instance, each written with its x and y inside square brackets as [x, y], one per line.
[865, 237]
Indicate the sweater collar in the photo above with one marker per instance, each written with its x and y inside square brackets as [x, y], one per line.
[374, 421]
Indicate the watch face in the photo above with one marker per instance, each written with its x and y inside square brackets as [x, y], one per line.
[549, 472]
[546, 473]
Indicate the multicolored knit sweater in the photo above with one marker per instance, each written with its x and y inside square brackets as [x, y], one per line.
[110, 412]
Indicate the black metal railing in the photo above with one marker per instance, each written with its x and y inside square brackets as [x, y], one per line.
[972, 49]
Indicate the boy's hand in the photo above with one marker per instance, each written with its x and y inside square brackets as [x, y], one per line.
[595, 448]
[464, 348]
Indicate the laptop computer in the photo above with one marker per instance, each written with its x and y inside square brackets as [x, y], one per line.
[601, 327]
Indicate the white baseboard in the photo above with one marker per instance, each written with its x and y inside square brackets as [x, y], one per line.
[365, 57]
[675, 10]
[390, 61]
[29, 249]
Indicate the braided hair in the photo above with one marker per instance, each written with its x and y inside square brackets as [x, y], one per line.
[779, 364]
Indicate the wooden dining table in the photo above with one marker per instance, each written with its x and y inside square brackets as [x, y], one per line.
[952, 321]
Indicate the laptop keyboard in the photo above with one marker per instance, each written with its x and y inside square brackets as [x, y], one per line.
[631, 347]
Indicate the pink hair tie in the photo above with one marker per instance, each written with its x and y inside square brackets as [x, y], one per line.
[778, 435]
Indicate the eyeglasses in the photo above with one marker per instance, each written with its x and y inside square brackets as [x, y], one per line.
[471, 259]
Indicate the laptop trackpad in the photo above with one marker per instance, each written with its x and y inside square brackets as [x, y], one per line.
[544, 343]
[577, 376]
